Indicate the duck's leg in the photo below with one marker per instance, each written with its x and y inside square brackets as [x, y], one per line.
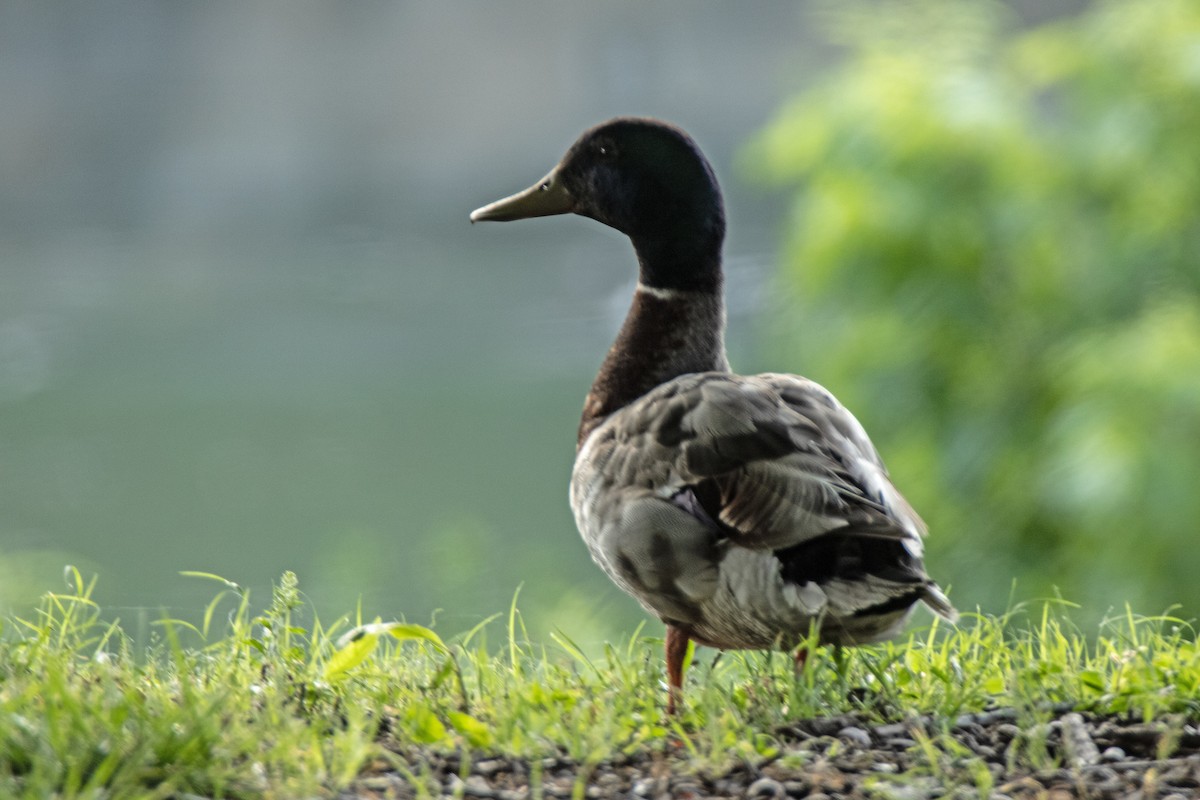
[677, 646]
[801, 660]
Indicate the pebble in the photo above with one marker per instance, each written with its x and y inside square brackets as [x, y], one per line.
[477, 786]
[797, 788]
[1113, 754]
[855, 735]
[1003, 715]
[892, 731]
[489, 766]
[766, 787]
[1081, 750]
[902, 791]
[1105, 781]
[377, 783]
[1007, 730]
[1179, 778]
[856, 760]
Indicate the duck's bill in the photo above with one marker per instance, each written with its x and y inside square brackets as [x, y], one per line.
[543, 199]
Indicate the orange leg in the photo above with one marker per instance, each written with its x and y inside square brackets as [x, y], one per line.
[801, 659]
[677, 646]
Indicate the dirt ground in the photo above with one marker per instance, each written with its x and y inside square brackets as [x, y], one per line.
[987, 755]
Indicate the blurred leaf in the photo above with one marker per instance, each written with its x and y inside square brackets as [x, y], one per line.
[1092, 679]
[350, 656]
[208, 576]
[475, 732]
[424, 726]
[407, 631]
[404, 631]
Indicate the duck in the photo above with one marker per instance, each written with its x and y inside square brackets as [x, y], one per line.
[743, 511]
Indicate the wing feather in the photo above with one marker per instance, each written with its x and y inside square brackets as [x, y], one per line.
[789, 462]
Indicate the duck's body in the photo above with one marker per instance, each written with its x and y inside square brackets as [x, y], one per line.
[742, 511]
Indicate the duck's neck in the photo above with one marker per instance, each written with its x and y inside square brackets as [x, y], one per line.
[668, 332]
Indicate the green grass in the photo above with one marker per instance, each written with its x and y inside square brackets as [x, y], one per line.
[273, 703]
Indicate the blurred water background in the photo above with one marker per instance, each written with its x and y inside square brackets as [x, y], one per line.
[245, 326]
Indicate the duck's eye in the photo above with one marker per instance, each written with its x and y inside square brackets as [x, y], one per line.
[606, 150]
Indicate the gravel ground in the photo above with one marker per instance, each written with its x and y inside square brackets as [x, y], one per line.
[981, 755]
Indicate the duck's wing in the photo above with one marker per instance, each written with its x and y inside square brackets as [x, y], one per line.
[791, 463]
[775, 462]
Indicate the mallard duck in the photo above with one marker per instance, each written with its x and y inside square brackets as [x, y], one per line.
[742, 511]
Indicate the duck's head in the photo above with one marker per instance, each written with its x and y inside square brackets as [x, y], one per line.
[646, 179]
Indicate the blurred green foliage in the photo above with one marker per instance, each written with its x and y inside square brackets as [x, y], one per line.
[994, 260]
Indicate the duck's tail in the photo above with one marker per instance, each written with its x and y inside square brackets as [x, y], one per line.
[939, 603]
